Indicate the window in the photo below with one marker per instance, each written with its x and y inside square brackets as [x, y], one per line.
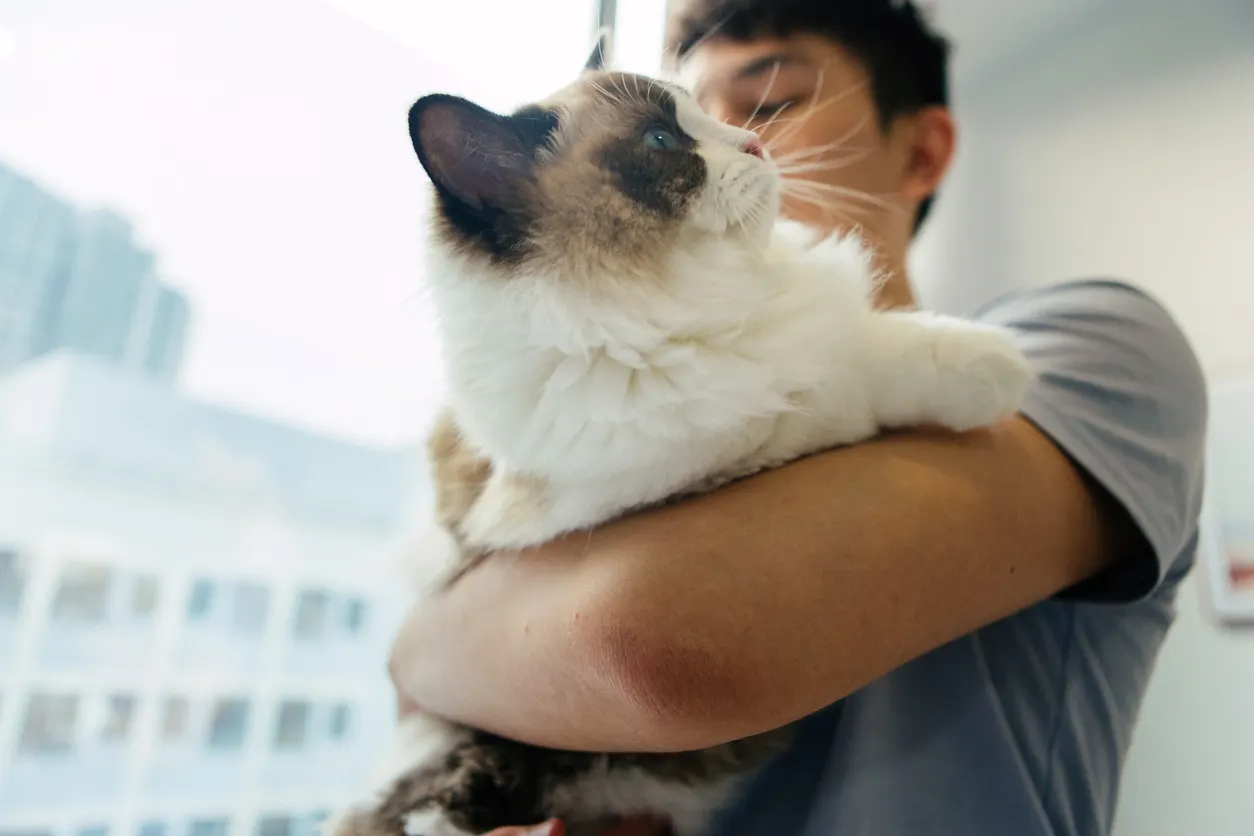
[238, 367]
[12, 581]
[340, 716]
[354, 615]
[228, 723]
[144, 597]
[275, 826]
[50, 724]
[174, 719]
[289, 733]
[83, 594]
[251, 605]
[120, 715]
[208, 827]
[311, 614]
[200, 601]
[639, 35]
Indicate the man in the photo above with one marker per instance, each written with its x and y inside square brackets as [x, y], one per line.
[967, 622]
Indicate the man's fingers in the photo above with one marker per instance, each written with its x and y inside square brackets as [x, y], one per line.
[638, 827]
[551, 828]
[405, 706]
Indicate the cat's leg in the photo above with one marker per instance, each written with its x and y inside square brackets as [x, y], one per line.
[483, 783]
[446, 780]
[926, 368]
[511, 511]
[406, 784]
[517, 511]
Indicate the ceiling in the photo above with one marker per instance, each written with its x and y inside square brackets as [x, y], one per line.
[988, 34]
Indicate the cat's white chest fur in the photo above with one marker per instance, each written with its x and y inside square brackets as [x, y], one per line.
[613, 396]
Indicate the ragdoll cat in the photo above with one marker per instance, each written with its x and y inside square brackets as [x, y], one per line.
[623, 321]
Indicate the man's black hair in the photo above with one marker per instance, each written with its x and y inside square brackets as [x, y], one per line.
[907, 60]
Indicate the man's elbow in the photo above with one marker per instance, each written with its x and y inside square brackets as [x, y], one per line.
[682, 692]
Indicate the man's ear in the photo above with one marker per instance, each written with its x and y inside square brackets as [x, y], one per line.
[472, 155]
[932, 138]
[599, 59]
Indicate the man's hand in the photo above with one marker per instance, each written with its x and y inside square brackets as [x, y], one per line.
[627, 827]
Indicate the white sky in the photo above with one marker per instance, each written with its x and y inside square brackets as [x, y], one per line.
[260, 147]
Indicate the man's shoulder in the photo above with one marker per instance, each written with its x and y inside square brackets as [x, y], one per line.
[1100, 299]
[1120, 390]
[1106, 331]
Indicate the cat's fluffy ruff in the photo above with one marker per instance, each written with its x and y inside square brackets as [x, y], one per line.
[619, 329]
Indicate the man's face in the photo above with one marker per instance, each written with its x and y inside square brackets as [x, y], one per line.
[811, 102]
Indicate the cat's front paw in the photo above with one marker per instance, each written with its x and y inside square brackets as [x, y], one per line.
[983, 377]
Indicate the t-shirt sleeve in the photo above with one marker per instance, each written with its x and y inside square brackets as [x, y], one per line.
[1120, 391]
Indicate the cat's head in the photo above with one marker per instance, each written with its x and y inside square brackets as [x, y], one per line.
[608, 176]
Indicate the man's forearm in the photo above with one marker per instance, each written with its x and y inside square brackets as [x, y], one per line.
[743, 610]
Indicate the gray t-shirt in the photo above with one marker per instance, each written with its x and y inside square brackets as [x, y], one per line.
[1020, 729]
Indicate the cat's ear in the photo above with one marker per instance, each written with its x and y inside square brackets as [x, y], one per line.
[472, 154]
[599, 59]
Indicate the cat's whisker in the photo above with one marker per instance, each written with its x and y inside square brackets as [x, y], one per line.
[803, 153]
[714, 30]
[832, 210]
[629, 97]
[817, 150]
[820, 160]
[836, 164]
[639, 97]
[765, 93]
[774, 120]
[613, 97]
[789, 120]
[816, 185]
[799, 186]
[792, 130]
[853, 131]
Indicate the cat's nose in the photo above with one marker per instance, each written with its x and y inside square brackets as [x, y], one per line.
[753, 146]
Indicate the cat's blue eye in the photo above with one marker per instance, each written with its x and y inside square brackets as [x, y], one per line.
[660, 139]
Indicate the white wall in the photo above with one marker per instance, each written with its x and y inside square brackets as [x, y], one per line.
[1126, 148]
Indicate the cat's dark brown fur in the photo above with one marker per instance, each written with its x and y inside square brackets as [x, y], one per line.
[490, 782]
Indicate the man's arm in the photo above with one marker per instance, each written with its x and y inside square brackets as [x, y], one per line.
[746, 609]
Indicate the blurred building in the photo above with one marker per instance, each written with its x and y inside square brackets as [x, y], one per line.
[36, 231]
[195, 606]
[166, 334]
[72, 279]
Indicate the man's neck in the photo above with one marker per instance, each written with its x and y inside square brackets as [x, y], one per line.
[889, 259]
[895, 290]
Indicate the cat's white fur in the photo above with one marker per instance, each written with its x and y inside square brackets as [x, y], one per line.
[618, 391]
[759, 344]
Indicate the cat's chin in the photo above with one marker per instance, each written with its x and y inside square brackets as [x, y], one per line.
[752, 231]
[753, 237]
[759, 234]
